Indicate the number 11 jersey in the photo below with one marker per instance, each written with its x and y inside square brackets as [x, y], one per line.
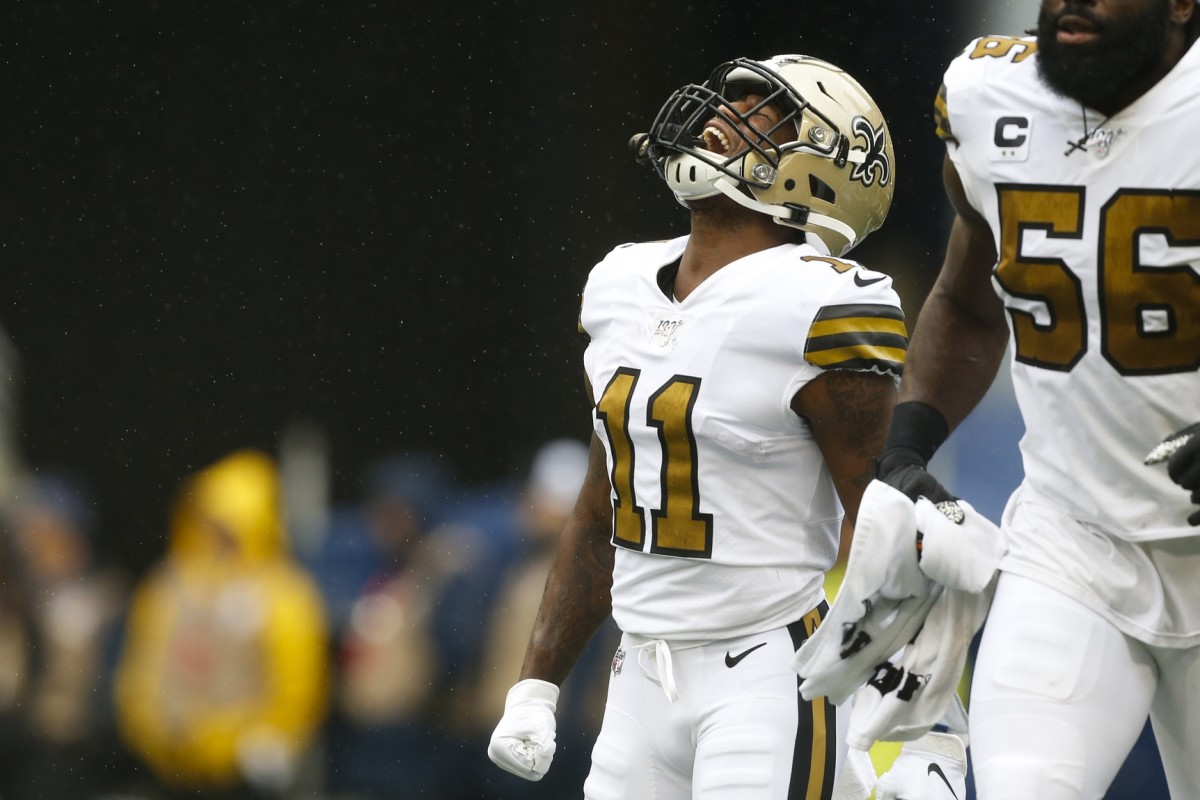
[725, 516]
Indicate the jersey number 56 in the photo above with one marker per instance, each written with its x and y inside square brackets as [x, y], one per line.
[1149, 316]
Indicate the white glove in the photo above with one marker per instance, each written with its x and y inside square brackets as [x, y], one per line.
[933, 767]
[523, 742]
[962, 548]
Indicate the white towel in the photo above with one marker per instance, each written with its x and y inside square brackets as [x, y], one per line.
[894, 637]
[910, 693]
[882, 602]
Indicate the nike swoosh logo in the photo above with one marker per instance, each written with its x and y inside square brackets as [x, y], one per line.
[934, 769]
[733, 661]
[858, 279]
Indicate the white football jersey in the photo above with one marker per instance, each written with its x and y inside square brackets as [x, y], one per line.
[725, 515]
[1097, 226]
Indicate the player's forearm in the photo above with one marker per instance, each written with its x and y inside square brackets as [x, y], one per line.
[959, 340]
[578, 594]
[578, 597]
[953, 357]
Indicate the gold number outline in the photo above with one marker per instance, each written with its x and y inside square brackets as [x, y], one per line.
[1003, 47]
[629, 519]
[1060, 343]
[1130, 350]
[837, 264]
[679, 528]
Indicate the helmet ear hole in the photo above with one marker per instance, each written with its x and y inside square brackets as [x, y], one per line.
[820, 190]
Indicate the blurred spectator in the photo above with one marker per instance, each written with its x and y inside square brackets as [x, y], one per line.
[15, 626]
[553, 482]
[221, 685]
[399, 492]
[71, 607]
[403, 646]
[16, 649]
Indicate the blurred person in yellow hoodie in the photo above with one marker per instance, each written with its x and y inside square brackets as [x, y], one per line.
[222, 681]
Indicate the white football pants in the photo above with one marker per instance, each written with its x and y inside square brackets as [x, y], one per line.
[738, 730]
[1059, 697]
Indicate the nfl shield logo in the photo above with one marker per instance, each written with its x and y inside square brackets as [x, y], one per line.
[618, 661]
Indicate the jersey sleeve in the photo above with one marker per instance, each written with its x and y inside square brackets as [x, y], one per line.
[983, 78]
[600, 289]
[941, 117]
[860, 327]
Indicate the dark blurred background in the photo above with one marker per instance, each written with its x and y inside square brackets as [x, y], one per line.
[336, 231]
[222, 219]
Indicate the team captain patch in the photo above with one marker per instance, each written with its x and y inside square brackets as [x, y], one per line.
[859, 336]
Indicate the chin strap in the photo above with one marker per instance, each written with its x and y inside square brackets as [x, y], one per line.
[696, 177]
[727, 187]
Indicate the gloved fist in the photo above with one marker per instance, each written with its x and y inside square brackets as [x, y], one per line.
[1181, 451]
[918, 429]
[933, 767]
[523, 742]
[905, 471]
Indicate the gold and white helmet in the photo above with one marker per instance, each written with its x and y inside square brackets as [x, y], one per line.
[826, 167]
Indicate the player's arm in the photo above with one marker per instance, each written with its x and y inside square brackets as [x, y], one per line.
[577, 598]
[953, 354]
[961, 334]
[578, 594]
[848, 413]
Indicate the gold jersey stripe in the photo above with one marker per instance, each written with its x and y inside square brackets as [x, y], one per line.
[821, 721]
[830, 327]
[941, 116]
[858, 336]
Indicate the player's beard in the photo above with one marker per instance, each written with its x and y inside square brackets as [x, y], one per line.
[1093, 72]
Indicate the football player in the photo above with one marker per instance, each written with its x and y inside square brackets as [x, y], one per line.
[743, 377]
[1072, 169]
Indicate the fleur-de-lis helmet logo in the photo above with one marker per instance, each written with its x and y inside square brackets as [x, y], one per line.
[875, 165]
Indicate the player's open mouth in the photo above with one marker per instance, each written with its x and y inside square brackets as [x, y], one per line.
[715, 140]
[1076, 30]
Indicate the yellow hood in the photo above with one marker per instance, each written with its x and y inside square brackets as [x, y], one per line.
[238, 496]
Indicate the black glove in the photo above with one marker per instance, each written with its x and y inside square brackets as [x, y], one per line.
[918, 429]
[1181, 451]
[900, 470]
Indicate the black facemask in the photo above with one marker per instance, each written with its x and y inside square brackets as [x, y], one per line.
[1092, 73]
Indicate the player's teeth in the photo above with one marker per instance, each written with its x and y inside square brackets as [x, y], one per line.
[714, 137]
